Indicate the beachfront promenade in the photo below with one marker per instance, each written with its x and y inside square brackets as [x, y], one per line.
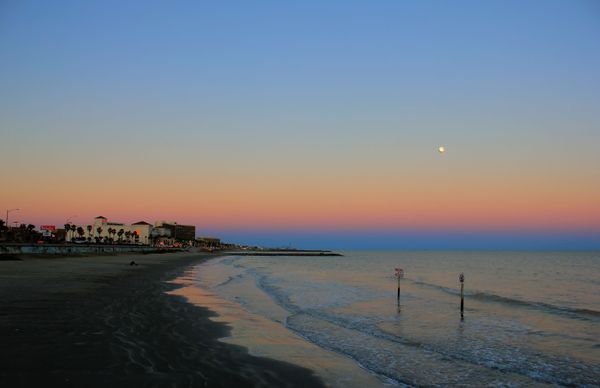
[70, 249]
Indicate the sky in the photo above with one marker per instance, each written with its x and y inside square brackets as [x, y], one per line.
[312, 124]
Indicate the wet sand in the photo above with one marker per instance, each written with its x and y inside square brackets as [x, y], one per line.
[97, 321]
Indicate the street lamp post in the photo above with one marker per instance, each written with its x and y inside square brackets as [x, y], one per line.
[8, 211]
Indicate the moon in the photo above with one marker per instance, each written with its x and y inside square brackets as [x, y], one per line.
[441, 149]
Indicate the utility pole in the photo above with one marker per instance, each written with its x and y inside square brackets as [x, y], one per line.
[8, 211]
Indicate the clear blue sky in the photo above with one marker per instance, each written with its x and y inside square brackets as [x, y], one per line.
[271, 115]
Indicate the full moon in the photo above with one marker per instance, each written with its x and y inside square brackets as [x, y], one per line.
[441, 149]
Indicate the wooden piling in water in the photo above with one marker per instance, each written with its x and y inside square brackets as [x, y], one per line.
[461, 278]
[398, 291]
[399, 275]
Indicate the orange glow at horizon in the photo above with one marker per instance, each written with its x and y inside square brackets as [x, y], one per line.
[368, 202]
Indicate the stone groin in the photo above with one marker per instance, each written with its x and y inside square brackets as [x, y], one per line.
[283, 253]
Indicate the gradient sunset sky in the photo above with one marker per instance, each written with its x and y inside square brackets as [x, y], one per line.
[311, 123]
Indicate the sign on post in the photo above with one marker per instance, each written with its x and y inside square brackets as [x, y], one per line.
[399, 275]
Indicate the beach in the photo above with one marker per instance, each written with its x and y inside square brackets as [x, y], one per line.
[226, 320]
[97, 321]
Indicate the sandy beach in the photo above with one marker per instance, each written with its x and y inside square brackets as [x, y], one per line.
[97, 321]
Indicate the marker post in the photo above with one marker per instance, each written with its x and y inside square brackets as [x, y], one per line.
[461, 278]
[399, 275]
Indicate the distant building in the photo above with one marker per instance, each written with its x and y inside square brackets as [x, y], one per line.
[208, 242]
[141, 232]
[138, 232]
[178, 232]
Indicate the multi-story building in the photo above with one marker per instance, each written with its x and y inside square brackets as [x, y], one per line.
[178, 232]
[138, 232]
[208, 242]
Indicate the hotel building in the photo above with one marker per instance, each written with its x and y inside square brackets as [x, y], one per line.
[142, 229]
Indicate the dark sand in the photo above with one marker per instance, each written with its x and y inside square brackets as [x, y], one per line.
[98, 322]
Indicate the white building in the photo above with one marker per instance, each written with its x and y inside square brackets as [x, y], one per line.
[138, 232]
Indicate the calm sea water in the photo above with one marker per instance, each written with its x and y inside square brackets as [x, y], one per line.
[531, 318]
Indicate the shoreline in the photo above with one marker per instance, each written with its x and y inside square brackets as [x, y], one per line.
[96, 321]
[269, 336]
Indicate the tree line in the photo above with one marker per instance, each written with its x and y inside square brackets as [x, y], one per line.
[78, 233]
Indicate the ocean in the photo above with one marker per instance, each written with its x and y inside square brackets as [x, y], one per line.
[531, 318]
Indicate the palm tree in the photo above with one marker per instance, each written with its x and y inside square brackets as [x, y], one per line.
[30, 229]
[80, 231]
[127, 236]
[99, 230]
[30, 233]
[89, 229]
[67, 229]
[120, 233]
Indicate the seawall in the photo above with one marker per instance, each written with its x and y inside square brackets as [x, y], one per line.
[72, 249]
